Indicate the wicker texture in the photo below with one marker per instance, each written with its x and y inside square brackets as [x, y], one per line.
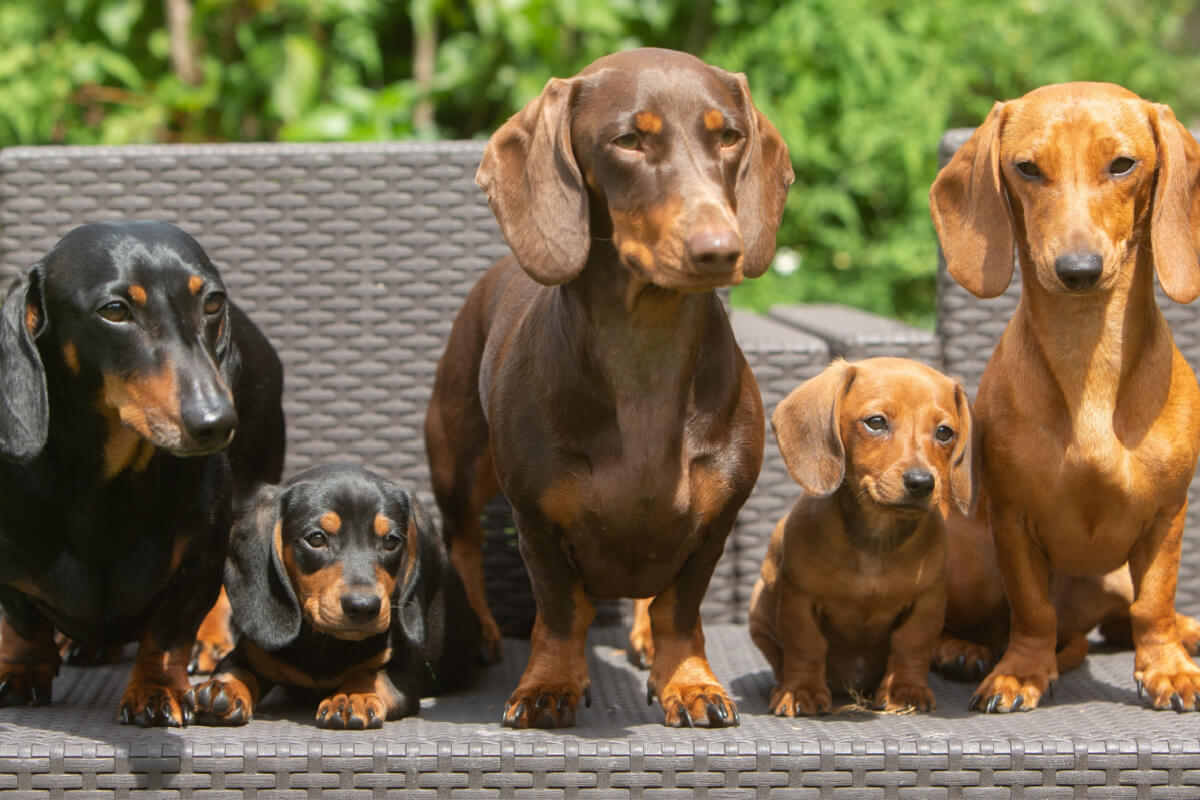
[854, 334]
[1094, 738]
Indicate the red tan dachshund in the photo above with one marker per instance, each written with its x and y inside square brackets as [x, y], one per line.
[593, 376]
[1090, 416]
[853, 588]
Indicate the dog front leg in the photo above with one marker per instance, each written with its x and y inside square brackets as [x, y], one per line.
[1162, 666]
[1025, 673]
[29, 657]
[556, 677]
[803, 686]
[158, 684]
[681, 677]
[905, 684]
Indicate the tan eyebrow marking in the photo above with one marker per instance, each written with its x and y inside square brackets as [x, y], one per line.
[383, 525]
[648, 122]
[713, 119]
[137, 294]
[195, 284]
[331, 522]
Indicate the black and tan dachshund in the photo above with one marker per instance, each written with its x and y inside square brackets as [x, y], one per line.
[340, 588]
[126, 373]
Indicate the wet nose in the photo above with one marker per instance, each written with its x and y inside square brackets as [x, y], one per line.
[918, 482]
[714, 249]
[360, 607]
[210, 426]
[1078, 270]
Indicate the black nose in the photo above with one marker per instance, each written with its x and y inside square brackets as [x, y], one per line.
[211, 426]
[1078, 270]
[714, 249]
[918, 482]
[360, 607]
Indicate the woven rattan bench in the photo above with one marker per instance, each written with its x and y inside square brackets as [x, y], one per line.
[354, 260]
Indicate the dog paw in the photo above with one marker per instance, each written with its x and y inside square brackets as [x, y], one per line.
[26, 684]
[74, 654]
[641, 650]
[686, 705]
[960, 660]
[546, 705]
[206, 655]
[1169, 678]
[801, 700]
[1001, 693]
[898, 694]
[1189, 633]
[153, 705]
[223, 700]
[354, 712]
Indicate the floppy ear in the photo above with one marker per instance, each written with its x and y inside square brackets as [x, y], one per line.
[964, 459]
[264, 604]
[535, 187]
[762, 186]
[1175, 221]
[971, 213]
[807, 430]
[24, 404]
[421, 575]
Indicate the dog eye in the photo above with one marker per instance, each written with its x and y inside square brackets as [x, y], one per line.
[116, 311]
[876, 423]
[628, 141]
[316, 540]
[1029, 169]
[944, 433]
[391, 542]
[214, 303]
[1121, 166]
[730, 137]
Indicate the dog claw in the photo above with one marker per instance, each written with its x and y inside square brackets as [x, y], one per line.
[1141, 689]
[992, 703]
[649, 694]
[1177, 702]
[123, 715]
[1016, 703]
[587, 697]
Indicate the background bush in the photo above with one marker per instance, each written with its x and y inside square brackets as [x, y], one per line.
[861, 89]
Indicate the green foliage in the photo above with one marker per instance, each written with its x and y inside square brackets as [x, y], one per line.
[861, 89]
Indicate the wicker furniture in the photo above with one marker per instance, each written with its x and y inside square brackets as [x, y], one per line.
[354, 259]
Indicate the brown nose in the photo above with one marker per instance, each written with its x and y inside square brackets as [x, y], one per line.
[714, 249]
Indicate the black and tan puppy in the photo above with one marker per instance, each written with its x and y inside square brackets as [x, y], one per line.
[340, 587]
[853, 588]
[126, 371]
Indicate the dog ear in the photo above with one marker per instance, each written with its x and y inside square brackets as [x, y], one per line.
[762, 186]
[971, 213]
[964, 459]
[264, 605]
[1175, 221]
[25, 403]
[535, 188]
[420, 576]
[807, 429]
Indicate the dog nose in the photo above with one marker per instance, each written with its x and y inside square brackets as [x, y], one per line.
[1078, 270]
[211, 427]
[361, 607]
[714, 250]
[918, 482]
